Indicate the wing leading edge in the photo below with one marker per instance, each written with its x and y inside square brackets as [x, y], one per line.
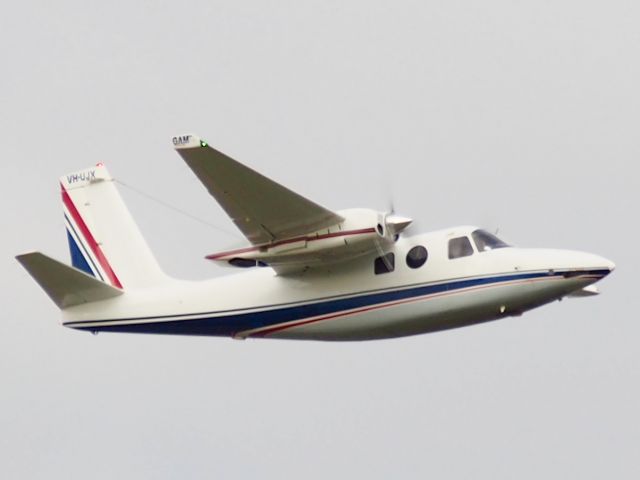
[262, 209]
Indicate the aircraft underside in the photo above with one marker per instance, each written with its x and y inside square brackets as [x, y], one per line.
[371, 315]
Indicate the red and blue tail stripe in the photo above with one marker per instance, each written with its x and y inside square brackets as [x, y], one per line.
[79, 256]
[86, 253]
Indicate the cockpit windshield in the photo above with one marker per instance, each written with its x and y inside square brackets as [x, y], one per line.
[486, 241]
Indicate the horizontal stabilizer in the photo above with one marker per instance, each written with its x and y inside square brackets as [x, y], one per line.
[67, 286]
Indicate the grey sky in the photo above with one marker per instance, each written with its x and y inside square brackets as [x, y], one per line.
[522, 116]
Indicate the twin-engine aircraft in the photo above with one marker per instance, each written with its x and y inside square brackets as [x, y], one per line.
[309, 273]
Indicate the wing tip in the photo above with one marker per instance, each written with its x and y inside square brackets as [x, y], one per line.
[189, 140]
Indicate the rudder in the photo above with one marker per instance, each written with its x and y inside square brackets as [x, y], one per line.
[104, 240]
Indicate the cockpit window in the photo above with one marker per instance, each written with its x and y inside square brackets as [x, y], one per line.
[486, 241]
[460, 247]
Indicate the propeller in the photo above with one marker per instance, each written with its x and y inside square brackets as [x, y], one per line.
[396, 224]
[389, 226]
[391, 223]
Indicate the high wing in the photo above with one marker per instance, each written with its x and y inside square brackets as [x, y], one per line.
[265, 211]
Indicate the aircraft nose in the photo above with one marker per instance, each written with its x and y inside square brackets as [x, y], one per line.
[571, 264]
[604, 263]
[597, 263]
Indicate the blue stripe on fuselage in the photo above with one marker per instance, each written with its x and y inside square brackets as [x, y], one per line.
[233, 322]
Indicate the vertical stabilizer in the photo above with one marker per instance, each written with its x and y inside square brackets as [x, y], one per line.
[104, 241]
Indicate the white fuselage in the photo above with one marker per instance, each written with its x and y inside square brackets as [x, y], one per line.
[348, 301]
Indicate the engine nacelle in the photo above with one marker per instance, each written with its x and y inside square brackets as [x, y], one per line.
[362, 231]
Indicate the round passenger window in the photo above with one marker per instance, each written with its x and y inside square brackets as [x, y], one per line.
[417, 256]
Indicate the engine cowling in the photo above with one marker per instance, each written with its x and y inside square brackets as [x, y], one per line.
[362, 231]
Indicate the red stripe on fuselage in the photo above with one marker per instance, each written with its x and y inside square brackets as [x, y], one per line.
[215, 256]
[299, 323]
[95, 248]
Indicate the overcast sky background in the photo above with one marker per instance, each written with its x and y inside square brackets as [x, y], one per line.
[522, 116]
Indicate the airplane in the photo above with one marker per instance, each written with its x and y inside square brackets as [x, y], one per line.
[308, 273]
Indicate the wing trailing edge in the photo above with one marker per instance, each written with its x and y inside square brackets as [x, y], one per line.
[264, 211]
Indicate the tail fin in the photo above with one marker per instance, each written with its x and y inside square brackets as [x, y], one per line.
[104, 241]
[67, 286]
